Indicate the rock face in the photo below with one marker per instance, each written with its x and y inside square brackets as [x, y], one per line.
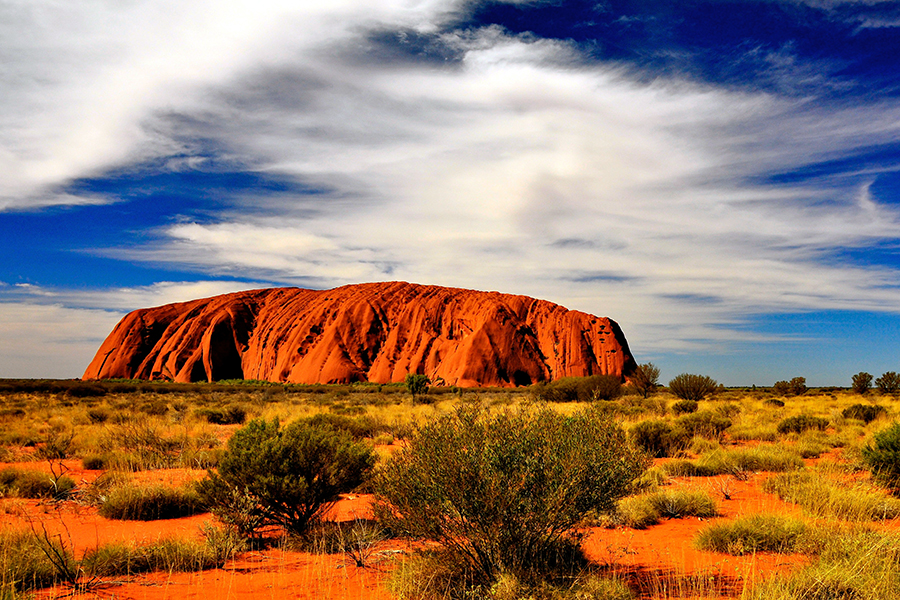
[374, 332]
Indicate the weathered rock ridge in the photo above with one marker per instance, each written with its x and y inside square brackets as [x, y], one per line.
[374, 332]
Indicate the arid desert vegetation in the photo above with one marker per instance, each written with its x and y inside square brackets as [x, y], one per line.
[578, 489]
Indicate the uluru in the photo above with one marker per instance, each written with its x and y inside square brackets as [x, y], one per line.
[375, 332]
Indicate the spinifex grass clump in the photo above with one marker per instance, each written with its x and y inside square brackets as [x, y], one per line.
[150, 503]
[765, 457]
[756, 533]
[645, 510]
[822, 497]
[25, 565]
[34, 484]
[851, 566]
[502, 491]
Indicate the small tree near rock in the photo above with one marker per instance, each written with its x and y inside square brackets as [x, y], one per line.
[417, 384]
[645, 379]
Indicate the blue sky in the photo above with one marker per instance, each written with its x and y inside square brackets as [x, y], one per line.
[721, 178]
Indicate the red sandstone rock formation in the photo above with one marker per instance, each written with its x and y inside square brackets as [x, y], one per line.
[375, 332]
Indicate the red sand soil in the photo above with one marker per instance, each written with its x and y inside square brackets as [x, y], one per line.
[659, 561]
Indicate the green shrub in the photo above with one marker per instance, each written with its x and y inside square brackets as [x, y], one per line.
[800, 423]
[34, 484]
[358, 427]
[704, 423]
[94, 462]
[503, 491]
[755, 533]
[862, 381]
[794, 387]
[233, 414]
[580, 389]
[882, 456]
[284, 476]
[864, 412]
[685, 406]
[151, 503]
[888, 383]
[417, 384]
[658, 438]
[693, 387]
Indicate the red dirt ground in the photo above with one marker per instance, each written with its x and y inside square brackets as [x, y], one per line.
[660, 561]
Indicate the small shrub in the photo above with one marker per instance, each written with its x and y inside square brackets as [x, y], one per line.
[801, 423]
[888, 383]
[882, 456]
[233, 414]
[98, 415]
[862, 382]
[288, 476]
[580, 389]
[658, 438]
[94, 462]
[693, 387]
[864, 412]
[141, 503]
[645, 380]
[774, 402]
[703, 423]
[685, 406]
[756, 533]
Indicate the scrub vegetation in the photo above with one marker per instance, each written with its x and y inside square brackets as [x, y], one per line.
[496, 489]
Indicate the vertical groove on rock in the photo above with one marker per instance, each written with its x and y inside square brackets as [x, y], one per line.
[375, 332]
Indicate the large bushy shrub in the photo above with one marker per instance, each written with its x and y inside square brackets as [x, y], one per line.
[502, 491]
[693, 387]
[882, 456]
[284, 476]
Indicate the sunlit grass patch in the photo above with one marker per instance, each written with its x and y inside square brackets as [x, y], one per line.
[645, 510]
[857, 566]
[823, 497]
[134, 502]
[755, 533]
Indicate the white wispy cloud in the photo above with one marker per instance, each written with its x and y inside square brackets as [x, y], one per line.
[513, 165]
